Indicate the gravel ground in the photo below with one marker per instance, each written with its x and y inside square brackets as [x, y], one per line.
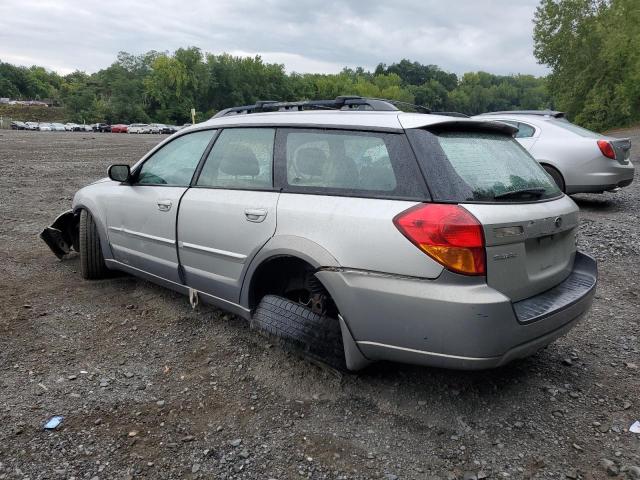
[150, 388]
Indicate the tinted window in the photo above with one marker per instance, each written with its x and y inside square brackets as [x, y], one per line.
[525, 130]
[339, 161]
[495, 167]
[175, 162]
[240, 158]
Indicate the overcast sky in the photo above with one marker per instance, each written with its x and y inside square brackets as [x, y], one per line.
[304, 35]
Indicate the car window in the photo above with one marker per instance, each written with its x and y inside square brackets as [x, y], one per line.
[240, 158]
[492, 166]
[525, 130]
[583, 132]
[175, 162]
[339, 160]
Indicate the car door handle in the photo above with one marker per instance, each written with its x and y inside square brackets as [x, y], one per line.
[164, 205]
[255, 214]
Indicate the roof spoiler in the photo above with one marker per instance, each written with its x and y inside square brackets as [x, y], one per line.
[542, 113]
[479, 125]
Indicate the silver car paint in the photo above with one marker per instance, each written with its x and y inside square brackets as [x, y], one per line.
[141, 227]
[523, 265]
[219, 233]
[452, 321]
[396, 302]
[577, 158]
[358, 232]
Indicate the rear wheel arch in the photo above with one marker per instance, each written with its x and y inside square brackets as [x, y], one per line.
[555, 173]
[289, 302]
[280, 274]
[279, 248]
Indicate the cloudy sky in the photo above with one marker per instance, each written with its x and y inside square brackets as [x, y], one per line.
[304, 35]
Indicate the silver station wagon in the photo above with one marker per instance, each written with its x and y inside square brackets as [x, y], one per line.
[350, 230]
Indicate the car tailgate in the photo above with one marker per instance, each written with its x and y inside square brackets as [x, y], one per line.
[530, 247]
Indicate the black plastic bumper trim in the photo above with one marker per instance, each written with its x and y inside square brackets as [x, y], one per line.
[575, 287]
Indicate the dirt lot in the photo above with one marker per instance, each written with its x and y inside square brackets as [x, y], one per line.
[151, 389]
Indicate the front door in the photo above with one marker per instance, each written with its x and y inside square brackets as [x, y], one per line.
[230, 212]
[141, 216]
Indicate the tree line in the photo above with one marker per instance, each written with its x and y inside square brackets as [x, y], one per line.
[593, 50]
[163, 87]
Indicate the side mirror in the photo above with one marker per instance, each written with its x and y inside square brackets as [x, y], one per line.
[119, 173]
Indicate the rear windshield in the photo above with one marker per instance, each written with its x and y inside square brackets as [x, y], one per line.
[481, 166]
[583, 132]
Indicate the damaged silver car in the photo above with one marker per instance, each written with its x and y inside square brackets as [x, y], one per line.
[349, 229]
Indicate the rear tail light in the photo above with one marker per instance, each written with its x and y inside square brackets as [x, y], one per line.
[447, 233]
[607, 149]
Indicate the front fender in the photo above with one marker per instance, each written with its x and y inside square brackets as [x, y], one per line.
[84, 201]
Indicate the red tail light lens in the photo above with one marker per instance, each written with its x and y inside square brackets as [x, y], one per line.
[447, 233]
[607, 149]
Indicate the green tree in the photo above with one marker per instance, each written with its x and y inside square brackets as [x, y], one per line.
[593, 50]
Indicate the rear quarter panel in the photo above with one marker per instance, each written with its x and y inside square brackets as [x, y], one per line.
[358, 232]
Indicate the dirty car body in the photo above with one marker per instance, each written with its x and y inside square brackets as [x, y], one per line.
[426, 239]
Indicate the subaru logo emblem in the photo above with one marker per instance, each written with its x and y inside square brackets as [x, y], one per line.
[558, 222]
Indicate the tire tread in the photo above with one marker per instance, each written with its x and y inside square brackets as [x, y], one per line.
[297, 327]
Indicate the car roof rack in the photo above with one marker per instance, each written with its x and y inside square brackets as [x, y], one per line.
[344, 102]
[543, 113]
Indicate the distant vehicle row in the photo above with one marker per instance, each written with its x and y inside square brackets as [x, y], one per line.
[97, 127]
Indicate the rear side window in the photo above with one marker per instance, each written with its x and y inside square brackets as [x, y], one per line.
[241, 158]
[525, 130]
[481, 166]
[354, 163]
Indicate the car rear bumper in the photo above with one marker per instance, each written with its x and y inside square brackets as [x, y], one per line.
[616, 175]
[455, 321]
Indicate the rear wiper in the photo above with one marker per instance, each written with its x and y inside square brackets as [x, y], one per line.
[535, 191]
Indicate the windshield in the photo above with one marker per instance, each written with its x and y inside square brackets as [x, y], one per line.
[478, 164]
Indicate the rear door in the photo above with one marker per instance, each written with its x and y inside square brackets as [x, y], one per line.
[141, 216]
[230, 212]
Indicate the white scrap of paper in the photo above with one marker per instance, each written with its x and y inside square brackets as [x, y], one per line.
[635, 428]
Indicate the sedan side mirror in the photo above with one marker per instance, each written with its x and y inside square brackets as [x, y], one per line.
[119, 173]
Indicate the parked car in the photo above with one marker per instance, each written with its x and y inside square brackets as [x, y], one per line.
[31, 125]
[85, 128]
[119, 128]
[17, 125]
[70, 127]
[57, 127]
[578, 160]
[138, 128]
[45, 127]
[156, 128]
[102, 127]
[169, 129]
[359, 235]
